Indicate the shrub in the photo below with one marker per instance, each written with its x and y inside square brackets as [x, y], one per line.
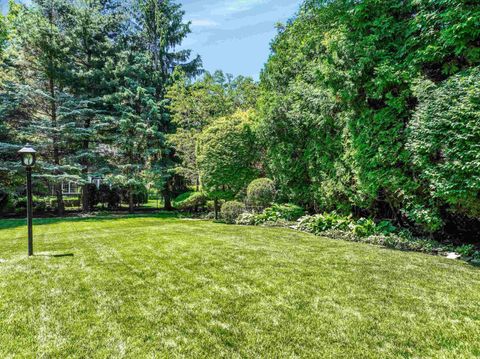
[139, 192]
[288, 212]
[91, 192]
[109, 196]
[385, 227]
[332, 221]
[232, 210]
[467, 250]
[140, 195]
[217, 197]
[383, 233]
[71, 202]
[364, 227]
[444, 137]
[324, 222]
[4, 200]
[247, 219]
[280, 212]
[261, 192]
[40, 205]
[190, 201]
[427, 218]
[10, 205]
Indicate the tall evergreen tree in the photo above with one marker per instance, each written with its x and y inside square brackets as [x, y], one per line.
[38, 90]
[95, 32]
[143, 76]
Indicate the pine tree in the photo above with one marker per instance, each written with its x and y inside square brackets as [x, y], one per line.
[38, 89]
[143, 76]
[133, 105]
[95, 31]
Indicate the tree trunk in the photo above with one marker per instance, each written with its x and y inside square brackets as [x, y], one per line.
[85, 198]
[167, 201]
[215, 208]
[60, 203]
[167, 195]
[130, 200]
[85, 170]
[56, 151]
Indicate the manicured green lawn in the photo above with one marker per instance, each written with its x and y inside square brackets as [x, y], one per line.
[158, 286]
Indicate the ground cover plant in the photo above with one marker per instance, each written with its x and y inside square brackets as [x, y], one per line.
[365, 230]
[141, 286]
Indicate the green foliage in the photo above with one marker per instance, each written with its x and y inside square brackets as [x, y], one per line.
[86, 83]
[323, 222]
[401, 241]
[365, 107]
[231, 210]
[339, 92]
[195, 105]
[227, 153]
[69, 203]
[261, 192]
[3, 33]
[445, 141]
[364, 227]
[108, 196]
[280, 212]
[190, 201]
[247, 219]
[220, 195]
[466, 250]
[425, 216]
[40, 205]
[382, 233]
[385, 227]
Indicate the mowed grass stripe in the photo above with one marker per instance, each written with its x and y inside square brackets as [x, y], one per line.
[160, 286]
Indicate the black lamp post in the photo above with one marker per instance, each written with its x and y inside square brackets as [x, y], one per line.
[28, 160]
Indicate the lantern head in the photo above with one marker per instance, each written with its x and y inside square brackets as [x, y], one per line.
[27, 154]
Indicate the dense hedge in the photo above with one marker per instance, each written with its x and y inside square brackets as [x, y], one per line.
[345, 123]
[445, 140]
[191, 201]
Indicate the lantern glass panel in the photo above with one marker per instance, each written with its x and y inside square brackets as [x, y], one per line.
[28, 159]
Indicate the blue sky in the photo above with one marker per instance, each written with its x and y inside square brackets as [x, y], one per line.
[233, 35]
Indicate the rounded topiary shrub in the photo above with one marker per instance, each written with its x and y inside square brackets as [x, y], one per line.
[232, 210]
[261, 192]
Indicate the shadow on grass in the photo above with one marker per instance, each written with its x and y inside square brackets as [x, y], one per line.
[52, 255]
[14, 223]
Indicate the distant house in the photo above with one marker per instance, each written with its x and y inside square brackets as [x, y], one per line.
[70, 188]
[97, 181]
